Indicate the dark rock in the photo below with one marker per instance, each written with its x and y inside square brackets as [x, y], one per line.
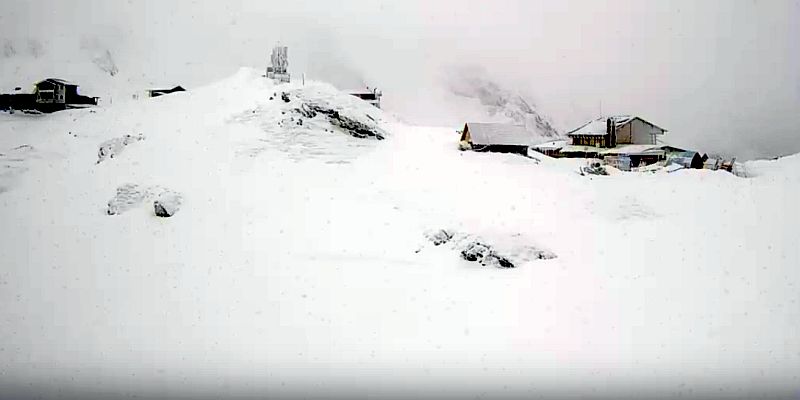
[306, 111]
[503, 262]
[285, 97]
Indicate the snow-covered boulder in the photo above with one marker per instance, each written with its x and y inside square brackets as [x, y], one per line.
[128, 196]
[167, 204]
[112, 147]
[131, 195]
[475, 249]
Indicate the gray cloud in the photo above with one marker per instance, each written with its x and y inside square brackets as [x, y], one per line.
[723, 76]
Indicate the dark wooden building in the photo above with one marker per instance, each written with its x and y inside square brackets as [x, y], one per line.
[48, 95]
[161, 92]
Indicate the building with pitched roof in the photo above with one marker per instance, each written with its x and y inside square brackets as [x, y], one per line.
[48, 95]
[54, 94]
[613, 130]
[504, 138]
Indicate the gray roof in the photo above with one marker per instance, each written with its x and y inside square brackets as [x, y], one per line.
[500, 134]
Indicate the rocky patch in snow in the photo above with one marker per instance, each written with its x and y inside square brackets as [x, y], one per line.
[167, 203]
[313, 123]
[131, 195]
[350, 125]
[594, 168]
[439, 236]
[110, 148]
[128, 196]
[475, 249]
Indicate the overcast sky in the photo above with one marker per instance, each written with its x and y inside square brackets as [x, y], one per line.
[719, 75]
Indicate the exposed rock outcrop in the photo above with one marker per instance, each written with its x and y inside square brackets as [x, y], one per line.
[474, 249]
[113, 147]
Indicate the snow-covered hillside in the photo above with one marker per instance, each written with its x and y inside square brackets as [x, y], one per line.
[302, 259]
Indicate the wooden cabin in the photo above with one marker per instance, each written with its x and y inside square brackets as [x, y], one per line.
[49, 95]
[371, 96]
[54, 91]
[502, 138]
[608, 132]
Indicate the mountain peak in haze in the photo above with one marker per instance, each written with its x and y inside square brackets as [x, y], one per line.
[499, 101]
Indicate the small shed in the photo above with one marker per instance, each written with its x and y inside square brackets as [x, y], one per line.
[371, 96]
[688, 159]
[552, 148]
[620, 162]
[161, 92]
[496, 137]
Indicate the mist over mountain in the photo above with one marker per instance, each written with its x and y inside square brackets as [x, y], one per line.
[500, 102]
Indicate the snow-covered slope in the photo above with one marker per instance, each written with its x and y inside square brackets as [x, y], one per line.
[299, 259]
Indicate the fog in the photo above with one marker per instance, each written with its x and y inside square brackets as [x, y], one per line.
[721, 76]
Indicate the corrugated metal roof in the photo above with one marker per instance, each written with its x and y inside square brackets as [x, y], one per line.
[500, 134]
[597, 126]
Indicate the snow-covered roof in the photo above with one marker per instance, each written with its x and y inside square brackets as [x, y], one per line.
[580, 149]
[361, 90]
[633, 149]
[684, 154]
[552, 145]
[57, 81]
[597, 126]
[499, 134]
